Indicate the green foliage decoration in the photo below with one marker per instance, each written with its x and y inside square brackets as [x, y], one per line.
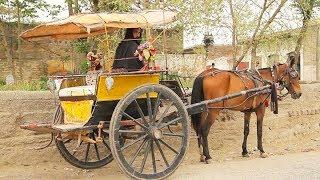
[84, 66]
[81, 46]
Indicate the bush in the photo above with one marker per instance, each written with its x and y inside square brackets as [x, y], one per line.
[81, 46]
[2, 82]
[84, 67]
[43, 83]
[39, 85]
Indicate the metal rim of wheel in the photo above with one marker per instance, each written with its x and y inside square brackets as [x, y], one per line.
[88, 155]
[153, 152]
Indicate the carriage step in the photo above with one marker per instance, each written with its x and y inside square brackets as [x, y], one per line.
[73, 127]
[49, 128]
[38, 127]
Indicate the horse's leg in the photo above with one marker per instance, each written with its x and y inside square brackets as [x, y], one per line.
[246, 129]
[260, 111]
[204, 116]
[205, 129]
[199, 134]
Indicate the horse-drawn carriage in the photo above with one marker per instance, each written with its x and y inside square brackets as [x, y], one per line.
[131, 117]
[126, 116]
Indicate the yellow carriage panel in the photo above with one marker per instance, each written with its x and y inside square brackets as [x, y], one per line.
[120, 85]
[77, 112]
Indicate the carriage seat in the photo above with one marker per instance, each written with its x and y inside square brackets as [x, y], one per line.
[78, 91]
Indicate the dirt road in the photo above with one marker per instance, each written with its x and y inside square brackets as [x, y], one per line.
[291, 166]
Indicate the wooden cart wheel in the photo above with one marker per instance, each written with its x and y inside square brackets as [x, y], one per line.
[150, 151]
[87, 155]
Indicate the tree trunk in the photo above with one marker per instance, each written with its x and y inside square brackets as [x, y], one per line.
[253, 62]
[19, 29]
[234, 33]
[301, 36]
[306, 13]
[70, 8]
[95, 6]
[76, 6]
[146, 4]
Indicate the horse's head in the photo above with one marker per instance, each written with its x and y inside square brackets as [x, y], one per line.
[288, 76]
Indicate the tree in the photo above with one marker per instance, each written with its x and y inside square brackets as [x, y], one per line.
[233, 31]
[261, 24]
[306, 9]
[70, 8]
[95, 5]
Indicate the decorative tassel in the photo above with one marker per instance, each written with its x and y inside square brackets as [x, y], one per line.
[274, 99]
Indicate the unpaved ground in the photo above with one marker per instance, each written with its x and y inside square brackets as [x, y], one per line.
[290, 166]
[283, 135]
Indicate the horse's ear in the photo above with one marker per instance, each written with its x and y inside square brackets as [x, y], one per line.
[292, 56]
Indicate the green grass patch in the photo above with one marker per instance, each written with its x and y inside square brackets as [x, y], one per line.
[40, 85]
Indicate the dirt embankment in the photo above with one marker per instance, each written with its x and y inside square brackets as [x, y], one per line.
[282, 134]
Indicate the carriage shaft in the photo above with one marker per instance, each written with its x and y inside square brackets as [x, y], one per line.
[203, 105]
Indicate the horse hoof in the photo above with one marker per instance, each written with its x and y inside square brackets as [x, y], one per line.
[245, 155]
[202, 159]
[208, 161]
[263, 155]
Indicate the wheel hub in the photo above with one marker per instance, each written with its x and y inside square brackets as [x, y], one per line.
[156, 133]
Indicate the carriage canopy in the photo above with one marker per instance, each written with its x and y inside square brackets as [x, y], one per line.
[85, 25]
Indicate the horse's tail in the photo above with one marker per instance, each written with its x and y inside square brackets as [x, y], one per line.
[197, 96]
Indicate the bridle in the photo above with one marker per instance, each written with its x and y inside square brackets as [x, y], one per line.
[291, 72]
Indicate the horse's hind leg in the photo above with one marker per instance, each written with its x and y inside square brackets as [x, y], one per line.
[204, 115]
[202, 157]
[260, 114]
[246, 129]
[205, 129]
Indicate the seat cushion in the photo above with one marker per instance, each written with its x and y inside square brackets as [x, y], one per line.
[78, 91]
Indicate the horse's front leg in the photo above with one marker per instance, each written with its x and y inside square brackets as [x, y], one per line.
[246, 129]
[260, 115]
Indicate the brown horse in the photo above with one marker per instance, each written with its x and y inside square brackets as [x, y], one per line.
[215, 83]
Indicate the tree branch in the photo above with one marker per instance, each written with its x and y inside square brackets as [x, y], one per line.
[255, 34]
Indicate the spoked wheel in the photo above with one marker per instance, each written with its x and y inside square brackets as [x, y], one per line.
[85, 154]
[150, 151]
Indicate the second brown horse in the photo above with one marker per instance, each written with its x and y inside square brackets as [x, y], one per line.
[215, 83]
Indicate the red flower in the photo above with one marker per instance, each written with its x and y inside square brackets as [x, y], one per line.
[153, 51]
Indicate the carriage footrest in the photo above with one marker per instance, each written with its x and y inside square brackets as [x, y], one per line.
[38, 127]
[49, 128]
[73, 127]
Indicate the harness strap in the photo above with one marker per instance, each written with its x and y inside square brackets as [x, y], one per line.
[253, 76]
[274, 93]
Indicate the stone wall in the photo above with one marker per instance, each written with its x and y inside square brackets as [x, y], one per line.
[37, 58]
